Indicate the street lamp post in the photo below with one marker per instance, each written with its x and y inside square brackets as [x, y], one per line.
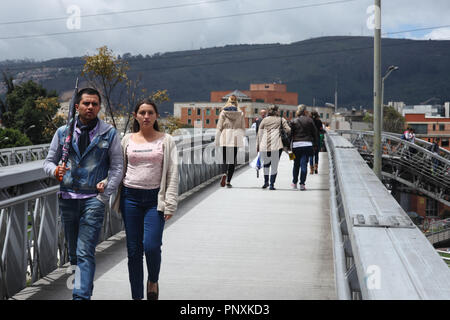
[376, 91]
[390, 69]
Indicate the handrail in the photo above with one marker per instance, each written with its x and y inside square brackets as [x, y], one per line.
[18, 155]
[418, 142]
[410, 164]
[387, 256]
[42, 248]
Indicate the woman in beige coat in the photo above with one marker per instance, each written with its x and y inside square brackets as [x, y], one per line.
[229, 135]
[269, 144]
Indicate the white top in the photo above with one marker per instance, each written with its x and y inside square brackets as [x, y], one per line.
[145, 162]
[299, 144]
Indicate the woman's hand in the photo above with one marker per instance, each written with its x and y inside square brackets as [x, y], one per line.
[167, 217]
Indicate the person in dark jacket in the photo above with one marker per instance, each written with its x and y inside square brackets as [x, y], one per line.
[304, 139]
[314, 159]
[435, 149]
[262, 113]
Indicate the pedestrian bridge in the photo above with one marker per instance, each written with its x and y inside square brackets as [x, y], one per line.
[345, 237]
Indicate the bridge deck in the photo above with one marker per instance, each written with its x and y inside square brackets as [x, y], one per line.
[239, 243]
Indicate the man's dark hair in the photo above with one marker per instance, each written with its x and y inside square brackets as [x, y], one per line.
[90, 91]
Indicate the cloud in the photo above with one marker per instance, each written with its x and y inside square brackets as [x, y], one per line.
[439, 34]
[231, 28]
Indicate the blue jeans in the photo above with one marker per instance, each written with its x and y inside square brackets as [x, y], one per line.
[301, 162]
[82, 220]
[314, 158]
[144, 227]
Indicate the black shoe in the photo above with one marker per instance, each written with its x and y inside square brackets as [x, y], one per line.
[266, 181]
[229, 185]
[272, 187]
[152, 295]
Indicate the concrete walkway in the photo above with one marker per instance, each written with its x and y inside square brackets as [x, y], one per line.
[238, 243]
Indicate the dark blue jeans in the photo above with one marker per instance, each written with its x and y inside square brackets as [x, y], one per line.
[144, 227]
[82, 220]
[301, 163]
[314, 158]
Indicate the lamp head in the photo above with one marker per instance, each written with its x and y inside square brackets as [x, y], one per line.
[392, 68]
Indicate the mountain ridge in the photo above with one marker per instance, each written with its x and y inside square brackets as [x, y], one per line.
[309, 67]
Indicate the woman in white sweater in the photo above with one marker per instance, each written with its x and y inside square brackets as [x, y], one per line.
[148, 195]
[229, 135]
[269, 144]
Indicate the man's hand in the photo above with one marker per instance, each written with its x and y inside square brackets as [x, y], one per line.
[60, 171]
[101, 187]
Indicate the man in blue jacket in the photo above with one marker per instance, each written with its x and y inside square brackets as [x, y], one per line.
[95, 154]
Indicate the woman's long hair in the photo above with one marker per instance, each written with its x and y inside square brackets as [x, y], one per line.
[231, 102]
[301, 110]
[272, 110]
[315, 115]
[136, 126]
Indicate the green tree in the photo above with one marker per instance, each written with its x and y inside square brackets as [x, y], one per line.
[8, 82]
[31, 110]
[393, 120]
[10, 138]
[49, 120]
[134, 94]
[104, 72]
[171, 124]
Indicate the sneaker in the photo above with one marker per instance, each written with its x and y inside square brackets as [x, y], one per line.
[293, 185]
[223, 180]
[302, 187]
[229, 185]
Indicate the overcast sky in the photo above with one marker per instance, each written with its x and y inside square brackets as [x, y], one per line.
[169, 29]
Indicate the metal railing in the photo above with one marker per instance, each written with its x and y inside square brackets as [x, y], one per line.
[379, 253]
[32, 241]
[438, 230]
[19, 155]
[410, 164]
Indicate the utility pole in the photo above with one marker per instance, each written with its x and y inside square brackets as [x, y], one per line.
[377, 91]
[335, 97]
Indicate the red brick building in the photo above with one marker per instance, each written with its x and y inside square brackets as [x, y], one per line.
[274, 93]
[260, 96]
[429, 127]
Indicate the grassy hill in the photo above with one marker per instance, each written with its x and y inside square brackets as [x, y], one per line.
[309, 68]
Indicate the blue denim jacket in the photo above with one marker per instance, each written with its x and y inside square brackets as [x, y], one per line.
[103, 158]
